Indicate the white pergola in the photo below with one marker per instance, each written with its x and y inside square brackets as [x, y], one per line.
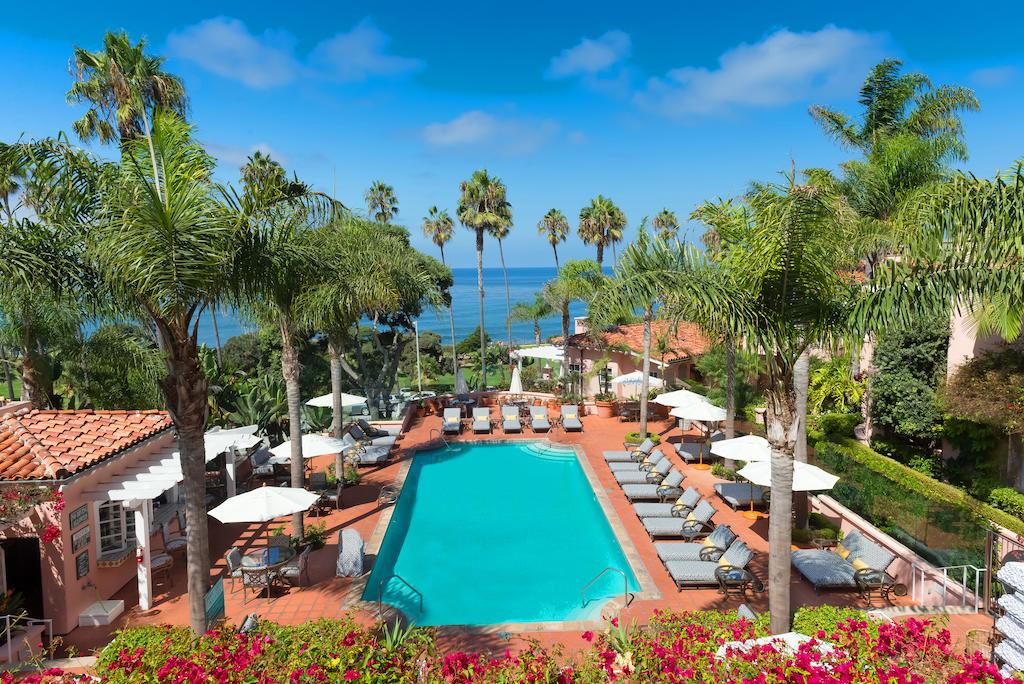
[548, 352]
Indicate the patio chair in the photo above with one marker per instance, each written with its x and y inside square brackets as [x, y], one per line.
[258, 579]
[260, 467]
[481, 419]
[374, 431]
[539, 420]
[839, 569]
[280, 540]
[362, 436]
[668, 488]
[698, 573]
[653, 476]
[696, 525]
[331, 498]
[689, 451]
[318, 481]
[740, 494]
[679, 508]
[451, 423]
[571, 418]
[296, 569]
[510, 419]
[233, 558]
[173, 543]
[362, 454]
[634, 466]
[710, 549]
[638, 454]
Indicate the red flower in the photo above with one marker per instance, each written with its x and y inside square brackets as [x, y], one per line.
[588, 636]
[351, 675]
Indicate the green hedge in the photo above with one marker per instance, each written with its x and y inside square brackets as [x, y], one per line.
[1009, 500]
[913, 480]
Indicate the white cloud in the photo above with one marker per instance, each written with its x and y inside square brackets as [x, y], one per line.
[235, 156]
[225, 46]
[360, 54]
[994, 77]
[591, 56]
[477, 129]
[782, 68]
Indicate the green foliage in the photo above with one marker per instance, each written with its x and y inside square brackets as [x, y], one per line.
[834, 425]
[471, 343]
[813, 620]
[832, 388]
[352, 475]
[316, 535]
[1009, 500]
[989, 389]
[118, 369]
[637, 438]
[723, 472]
[712, 369]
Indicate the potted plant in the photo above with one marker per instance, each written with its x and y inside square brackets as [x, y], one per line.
[605, 403]
[633, 439]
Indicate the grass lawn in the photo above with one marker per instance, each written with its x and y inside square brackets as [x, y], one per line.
[17, 388]
[498, 377]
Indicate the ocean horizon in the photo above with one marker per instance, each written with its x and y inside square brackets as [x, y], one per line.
[524, 283]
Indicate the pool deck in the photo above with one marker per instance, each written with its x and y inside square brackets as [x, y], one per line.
[328, 596]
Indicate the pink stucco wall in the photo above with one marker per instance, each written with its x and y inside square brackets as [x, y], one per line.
[64, 595]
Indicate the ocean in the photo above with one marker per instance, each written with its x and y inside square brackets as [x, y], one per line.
[523, 284]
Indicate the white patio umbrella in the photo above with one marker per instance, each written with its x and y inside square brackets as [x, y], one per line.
[704, 411]
[264, 504]
[516, 386]
[806, 477]
[636, 378]
[327, 401]
[747, 448]
[219, 441]
[460, 383]
[679, 398]
[313, 445]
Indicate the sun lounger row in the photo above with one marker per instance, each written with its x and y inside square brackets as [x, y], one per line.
[540, 421]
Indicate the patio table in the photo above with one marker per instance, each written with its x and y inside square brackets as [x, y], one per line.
[464, 405]
[270, 557]
[870, 581]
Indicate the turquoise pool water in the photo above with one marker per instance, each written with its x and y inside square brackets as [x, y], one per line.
[497, 533]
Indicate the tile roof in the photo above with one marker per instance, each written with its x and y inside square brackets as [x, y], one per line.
[687, 341]
[52, 445]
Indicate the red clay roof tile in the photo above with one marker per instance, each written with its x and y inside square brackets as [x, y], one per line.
[687, 341]
[42, 445]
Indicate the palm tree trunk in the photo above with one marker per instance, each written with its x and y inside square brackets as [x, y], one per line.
[615, 256]
[730, 388]
[558, 268]
[216, 333]
[451, 323]
[600, 255]
[335, 350]
[645, 382]
[508, 296]
[801, 380]
[290, 371]
[565, 340]
[480, 287]
[536, 331]
[782, 436]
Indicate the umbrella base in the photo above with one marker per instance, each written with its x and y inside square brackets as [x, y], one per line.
[753, 515]
[702, 466]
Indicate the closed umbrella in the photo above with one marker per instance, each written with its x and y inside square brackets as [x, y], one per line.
[313, 445]
[806, 477]
[516, 386]
[749, 448]
[460, 383]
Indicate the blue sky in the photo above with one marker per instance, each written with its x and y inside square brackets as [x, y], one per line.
[655, 106]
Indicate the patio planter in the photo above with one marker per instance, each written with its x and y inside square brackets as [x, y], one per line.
[605, 409]
[633, 439]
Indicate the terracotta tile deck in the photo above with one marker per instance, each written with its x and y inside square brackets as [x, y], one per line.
[329, 596]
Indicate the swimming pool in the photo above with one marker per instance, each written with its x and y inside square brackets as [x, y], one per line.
[496, 533]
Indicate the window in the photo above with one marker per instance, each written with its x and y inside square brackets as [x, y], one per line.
[117, 527]
[605, 380]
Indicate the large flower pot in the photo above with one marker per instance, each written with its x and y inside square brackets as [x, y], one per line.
[605, 409]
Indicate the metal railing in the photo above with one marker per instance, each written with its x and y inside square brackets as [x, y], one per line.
[11, 621]
[440, 436]
[921, 576]
[625, 586]
[380, 593]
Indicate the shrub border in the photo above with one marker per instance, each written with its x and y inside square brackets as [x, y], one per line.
[919, 482]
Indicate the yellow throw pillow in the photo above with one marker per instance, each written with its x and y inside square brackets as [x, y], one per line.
[858, 564]
[707, 542]
[843, 552]
[722, 562]
[690, 517]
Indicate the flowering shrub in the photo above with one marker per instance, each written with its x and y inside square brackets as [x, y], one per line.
[672, 648]
[18, 500]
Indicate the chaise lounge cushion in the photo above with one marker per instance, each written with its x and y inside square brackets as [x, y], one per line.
[696, 524]
[635, 466]
[654, 476]
[703, 572]
[668, 489]
[828, 569]
[738, 494]
[673, 509]
[623, 456]
[714, 546]
[539, 419]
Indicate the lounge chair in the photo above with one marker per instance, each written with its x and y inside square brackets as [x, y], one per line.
[481, 419]
[539, 421]
[510, 419]
[374, 431]
[363, 454]
[653, 476]
[710, 549]
[689, 451]
[740, 494]
[362, 436]
[838, 569]
[634, 466]
[694, 526]
[696, 573]
[638, 454]
[571, 418]
[679, 508]
[451, 423]
[668, 488]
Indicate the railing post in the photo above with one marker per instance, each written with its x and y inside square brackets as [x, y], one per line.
[989, 549]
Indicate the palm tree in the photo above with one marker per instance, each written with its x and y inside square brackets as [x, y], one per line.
[439, 227]
[260, 169]
[124, 86]
[535, 311]
[381, 203]
[667, 225]
[499, 233]
[579, 280]
[173, 256]
[483, 207]
[601, 224]
[554, 227]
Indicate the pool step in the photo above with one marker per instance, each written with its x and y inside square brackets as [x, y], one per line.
[549, 452]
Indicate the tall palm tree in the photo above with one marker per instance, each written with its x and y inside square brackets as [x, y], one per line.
[576, 281]
[483, 207]
[554, 228]
[666, 225]
[261, 169]
[601, 225]
[124, 87]
[381, 202]
[499, 233]
[439, 227]
[174, 257]
[535, 311]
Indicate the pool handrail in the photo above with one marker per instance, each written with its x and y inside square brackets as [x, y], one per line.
[625, 586]
[440, 435]
[380, 592]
